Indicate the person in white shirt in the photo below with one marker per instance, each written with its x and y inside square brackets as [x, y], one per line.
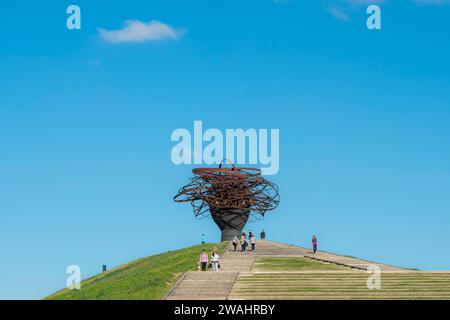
[253, 241]
[215, 261]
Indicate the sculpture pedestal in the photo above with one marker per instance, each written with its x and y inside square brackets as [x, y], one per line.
[230, 221]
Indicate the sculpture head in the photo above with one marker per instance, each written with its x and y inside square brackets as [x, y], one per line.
[231, 195]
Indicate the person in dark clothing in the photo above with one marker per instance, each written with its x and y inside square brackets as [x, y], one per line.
[243, 243]
[314, 243]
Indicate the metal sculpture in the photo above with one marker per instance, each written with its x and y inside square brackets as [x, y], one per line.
[231, 195]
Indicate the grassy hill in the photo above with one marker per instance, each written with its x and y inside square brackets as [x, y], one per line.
[143, 279]
[273, 275]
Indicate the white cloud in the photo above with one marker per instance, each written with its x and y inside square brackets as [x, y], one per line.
[364, 2]
[342, 9]
[135, 31]
[338, 13]
[432, 2]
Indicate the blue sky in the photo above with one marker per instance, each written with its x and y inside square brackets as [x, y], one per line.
[86, 118]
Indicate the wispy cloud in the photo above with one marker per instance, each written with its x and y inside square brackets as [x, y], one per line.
[432, 2]
[364, 2]
[135, 31]
[338, 13]
[342, 9]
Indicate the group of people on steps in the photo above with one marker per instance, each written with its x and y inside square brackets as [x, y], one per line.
[244, 241]
[204, 261]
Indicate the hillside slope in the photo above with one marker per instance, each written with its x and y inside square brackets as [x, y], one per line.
[143, 279]
[273, 271]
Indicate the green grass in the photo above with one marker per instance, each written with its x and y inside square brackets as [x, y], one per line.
[147, 278]
[294, 264]
[342, 285]
[318, 280]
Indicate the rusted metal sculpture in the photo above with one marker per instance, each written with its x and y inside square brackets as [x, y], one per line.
[231, 195]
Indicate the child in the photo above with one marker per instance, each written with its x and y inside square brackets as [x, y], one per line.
[235, 242]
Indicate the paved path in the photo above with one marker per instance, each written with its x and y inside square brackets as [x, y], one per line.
[350, 261]
[218, 285]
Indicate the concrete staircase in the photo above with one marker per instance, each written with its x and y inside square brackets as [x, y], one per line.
[218, 285]
[203, 286]
[209, 285]
[237, 279]
[334, 285]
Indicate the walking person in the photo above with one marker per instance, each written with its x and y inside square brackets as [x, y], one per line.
[204, 260]
[235, 242]
[243, 242]
[314, 243]
[215, 260]
[263, 235]
[252, 241]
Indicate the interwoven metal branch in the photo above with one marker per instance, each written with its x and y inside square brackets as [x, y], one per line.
[229, 188]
